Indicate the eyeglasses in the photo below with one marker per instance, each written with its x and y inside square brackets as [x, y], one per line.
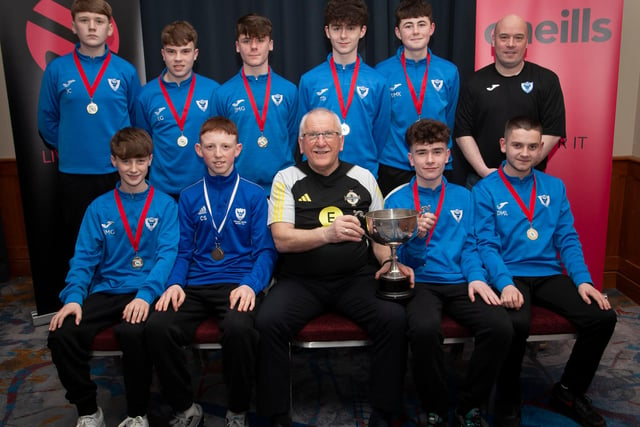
[328, 135]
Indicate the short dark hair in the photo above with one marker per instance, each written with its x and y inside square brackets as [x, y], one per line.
[179, 33]
[349, 12]
[219, 124]
[254, 25]
[522, 122]
[427, 131]
[131, 143]
[413, 9]
[94, 6]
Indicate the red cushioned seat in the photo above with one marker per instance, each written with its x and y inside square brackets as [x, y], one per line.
[207, 333]
[331, 327]
[546, 322]
[105, 340]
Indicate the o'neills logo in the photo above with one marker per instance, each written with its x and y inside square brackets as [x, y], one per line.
[41, 40]
[576, 26]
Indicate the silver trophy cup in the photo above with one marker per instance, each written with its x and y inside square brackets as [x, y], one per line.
[392, 227]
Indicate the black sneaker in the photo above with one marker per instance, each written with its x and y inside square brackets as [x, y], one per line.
[471, 419]
[435, 420]
[579, 408]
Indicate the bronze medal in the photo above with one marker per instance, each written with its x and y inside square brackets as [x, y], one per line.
[532, 234]
[137, 262]
[217, 254]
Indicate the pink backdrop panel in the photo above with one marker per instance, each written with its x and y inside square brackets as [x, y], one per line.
[580, 41]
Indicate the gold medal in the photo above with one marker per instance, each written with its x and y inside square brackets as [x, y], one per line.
[182, 141]
[345, 129]
[532, 234]
[217, 254]
[137, 262]
[92, 108]
[262, 141]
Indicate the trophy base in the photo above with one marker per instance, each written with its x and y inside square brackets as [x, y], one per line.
[394, 290]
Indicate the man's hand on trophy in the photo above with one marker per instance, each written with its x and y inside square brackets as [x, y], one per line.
[344, 228]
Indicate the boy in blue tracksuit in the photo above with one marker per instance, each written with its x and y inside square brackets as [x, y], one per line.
[86, 96]
[449, 277]
[261, 103]
[172, 108]
[421, 85]
[126, 249]
[527, 240]
[347, 86]
[225, 259]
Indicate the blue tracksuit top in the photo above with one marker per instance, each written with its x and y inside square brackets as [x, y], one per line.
[501, 228]
[255, 163]
[440, 100]
[103, 254]
[369, 114]
[249, 251]
[452, 256]
[175, 167]
[82, 139]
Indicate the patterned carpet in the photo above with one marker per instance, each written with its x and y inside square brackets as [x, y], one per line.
[329, 388]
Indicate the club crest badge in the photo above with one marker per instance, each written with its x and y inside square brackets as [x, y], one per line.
[352, 198]
[363, 91]
[202, 104]
[545, 199]
[114, 84]
[150, 223]
[241, 213]
[437, 84]
[457, 214]
[527, 87]
[277, 98]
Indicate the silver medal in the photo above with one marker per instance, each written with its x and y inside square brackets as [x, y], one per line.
[345, 129]
[182, 141]
[262, 141]
[92, 108]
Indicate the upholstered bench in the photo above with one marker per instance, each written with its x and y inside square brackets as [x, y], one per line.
[331, 330]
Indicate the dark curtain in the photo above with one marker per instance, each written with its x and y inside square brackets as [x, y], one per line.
[298, 33]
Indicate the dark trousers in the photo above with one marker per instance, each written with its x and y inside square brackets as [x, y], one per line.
[75, 193]
[294, 301]
[70, 351]
[595, 327]
[492, 331]
[169, 333]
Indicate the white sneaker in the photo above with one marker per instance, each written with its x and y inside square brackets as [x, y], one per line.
[93, 420]
[189, 418]
[233, 419]
[135, 422]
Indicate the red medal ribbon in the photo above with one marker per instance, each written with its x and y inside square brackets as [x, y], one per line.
[532, 200]
[416, 201]
[344, 109]
[134, 242]
[91, 88]
[416, 102]
[260, 119]
[183, 118]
